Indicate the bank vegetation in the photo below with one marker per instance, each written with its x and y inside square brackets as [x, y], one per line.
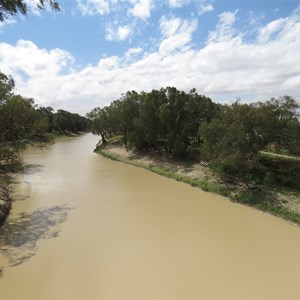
[250, 152]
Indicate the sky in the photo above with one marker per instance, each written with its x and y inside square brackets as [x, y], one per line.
[93, 51]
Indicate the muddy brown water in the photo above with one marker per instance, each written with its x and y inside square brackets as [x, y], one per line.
[85, 227]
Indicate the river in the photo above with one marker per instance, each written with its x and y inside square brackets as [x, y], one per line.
[85, 227]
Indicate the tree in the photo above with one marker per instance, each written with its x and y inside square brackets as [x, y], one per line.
[151, 126]
[129, 115]
[199, 108]
[113, 111]
[10, 8]
[66, 122]
[20, 124]
[7, 85]
[99, 121]
[278, 124]
[235, 136]
[233, 139]
[48, 113]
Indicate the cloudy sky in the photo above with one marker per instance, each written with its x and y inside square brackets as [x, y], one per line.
[92, 51]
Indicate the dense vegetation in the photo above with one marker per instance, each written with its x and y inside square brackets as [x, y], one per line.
[23, 123]
[189, 125]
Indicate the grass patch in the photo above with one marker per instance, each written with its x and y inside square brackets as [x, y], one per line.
[263, 199]
[116, 140]
[280, 212]
[204, 184]
[279, 156]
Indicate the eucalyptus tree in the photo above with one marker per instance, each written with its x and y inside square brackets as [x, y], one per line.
[47, 112]
[7, 85]
[10, 8]
[153, 134]
[20, 124]
[240, 131]
[129, 118]
[99, 119]
[279, 123]
[66, 122]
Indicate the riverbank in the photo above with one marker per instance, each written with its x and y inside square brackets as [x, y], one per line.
[281, 202]
[5, 201]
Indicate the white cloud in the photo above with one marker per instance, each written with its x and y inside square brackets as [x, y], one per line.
[205, 6]
[93, 7]
[109, 63]
[141, 8]
[131, 53]
[169, 27]
[226, 66]
[224, 29]
[177, 33]
[26, 56]
[270, 29]
[115, 32]
[255, 18]
[178, 3]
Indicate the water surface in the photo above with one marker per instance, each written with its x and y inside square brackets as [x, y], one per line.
[85, 227]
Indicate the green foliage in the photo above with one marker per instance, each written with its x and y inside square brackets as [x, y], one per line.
[22, 123]
[66, 122]
[190, 125]
[99, 121]
[239, 141]
[47, 113]
[239, 132]
[10, 8]
[281, 171]
[6, 87]
[164, 119]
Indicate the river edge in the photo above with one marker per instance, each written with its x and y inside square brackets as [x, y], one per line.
[282, 203]
[5, 200]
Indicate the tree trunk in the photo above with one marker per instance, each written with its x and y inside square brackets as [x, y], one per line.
[103, 137]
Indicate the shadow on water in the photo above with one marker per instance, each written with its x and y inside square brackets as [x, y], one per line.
[30, 169]
[19, 236]
[20, 198]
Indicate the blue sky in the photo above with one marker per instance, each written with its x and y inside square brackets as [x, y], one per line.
[92, 51]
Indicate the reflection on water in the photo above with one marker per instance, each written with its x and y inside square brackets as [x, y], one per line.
[20, 235]
[28, 169]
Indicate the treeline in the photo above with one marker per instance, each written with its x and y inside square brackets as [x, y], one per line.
[23, 123]
[164, 119]
[183, 124]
